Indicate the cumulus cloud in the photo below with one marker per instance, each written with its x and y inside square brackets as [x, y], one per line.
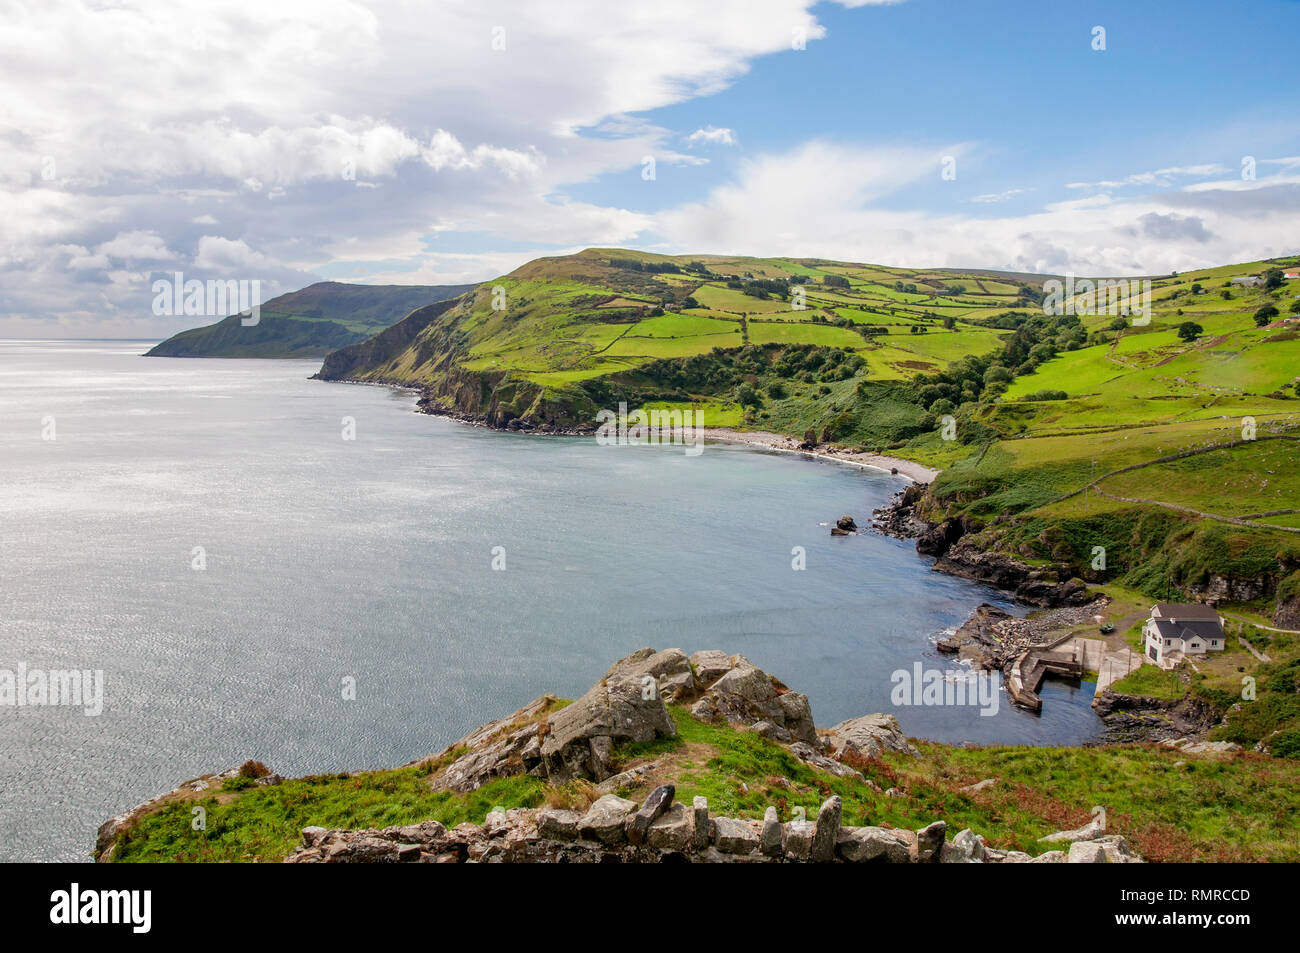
[712, 135]
[379, 140]
[305, 130]
[841, 201]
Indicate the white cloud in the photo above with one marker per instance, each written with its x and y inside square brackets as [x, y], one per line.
[222, 255]
[136, 246]
[370, 123]
[989, 198]
[1159, 178]
[827, 200]
[712, 135]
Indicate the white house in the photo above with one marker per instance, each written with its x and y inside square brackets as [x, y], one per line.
[1177, 630]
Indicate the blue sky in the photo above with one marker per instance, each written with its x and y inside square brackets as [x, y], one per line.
[380, 141]
[1179, 83]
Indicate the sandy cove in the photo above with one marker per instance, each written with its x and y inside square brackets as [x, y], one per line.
[783, 444]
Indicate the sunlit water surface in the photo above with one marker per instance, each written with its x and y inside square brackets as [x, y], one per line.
[371, 559]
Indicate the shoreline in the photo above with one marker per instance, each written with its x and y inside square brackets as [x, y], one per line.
[779, 443]
[758, 439]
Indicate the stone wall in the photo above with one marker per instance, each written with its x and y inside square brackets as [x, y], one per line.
[663, 830]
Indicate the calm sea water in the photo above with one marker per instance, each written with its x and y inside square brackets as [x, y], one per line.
[371, 559]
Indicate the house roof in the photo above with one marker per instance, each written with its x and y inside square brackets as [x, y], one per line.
[1177, 629]
[1185, 612]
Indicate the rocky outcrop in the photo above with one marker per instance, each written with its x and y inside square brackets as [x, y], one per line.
[869, 736]
[616, 830]
[1047, 587]
[670, 671]
[559, 743]
[1131, 718]
[744, 694]
[955, 553]
[899, 517]
[579, 739]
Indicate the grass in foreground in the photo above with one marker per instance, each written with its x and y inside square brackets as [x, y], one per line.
[1172, 806]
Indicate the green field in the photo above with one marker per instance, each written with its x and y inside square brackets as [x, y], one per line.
[1048, 408]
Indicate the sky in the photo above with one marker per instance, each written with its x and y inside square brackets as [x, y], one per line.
[447, 142]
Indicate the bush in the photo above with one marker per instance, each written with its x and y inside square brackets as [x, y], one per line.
[1046, 395]
[1264, 315]
[1285, 744]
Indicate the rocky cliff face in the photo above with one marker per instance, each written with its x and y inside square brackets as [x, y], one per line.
[957, 550]
[426, 349]
[369, 359]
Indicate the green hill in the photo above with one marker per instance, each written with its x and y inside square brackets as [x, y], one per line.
[310, 322]
[1056, 433]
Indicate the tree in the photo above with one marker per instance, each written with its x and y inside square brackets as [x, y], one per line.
[1119, 324]
[1196, 288]
[1295, 306]
[949, 321]
[1272, 279]
[1264, 315]
[997, 374]
[1190, 330]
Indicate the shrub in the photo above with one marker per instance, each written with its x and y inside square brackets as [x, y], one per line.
[1047, 395]
[1264, 315]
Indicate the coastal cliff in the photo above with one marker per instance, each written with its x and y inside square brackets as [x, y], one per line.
[708, 759]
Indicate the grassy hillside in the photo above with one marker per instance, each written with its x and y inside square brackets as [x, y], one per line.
[1171, 805]
[1173, 450]
[310, 322]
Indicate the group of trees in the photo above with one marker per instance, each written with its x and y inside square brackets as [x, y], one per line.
[650, 267]
[762, 288]
[1035, 338]
[739, 370]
